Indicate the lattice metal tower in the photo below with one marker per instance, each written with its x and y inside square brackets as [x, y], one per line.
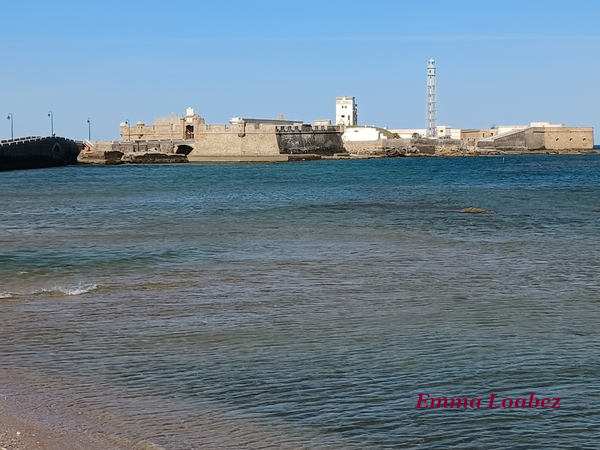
[431, 107]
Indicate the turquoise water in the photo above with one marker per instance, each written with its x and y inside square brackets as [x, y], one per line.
[306, 305]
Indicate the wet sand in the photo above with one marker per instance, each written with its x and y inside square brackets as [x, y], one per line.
[20, 434]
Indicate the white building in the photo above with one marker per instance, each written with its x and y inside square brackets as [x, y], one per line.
[442, 131]
[366, 133]
[345, 111]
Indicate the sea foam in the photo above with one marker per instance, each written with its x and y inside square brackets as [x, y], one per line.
[75, 290]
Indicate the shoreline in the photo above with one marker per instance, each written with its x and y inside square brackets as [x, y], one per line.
[33, 420]
[18, 433]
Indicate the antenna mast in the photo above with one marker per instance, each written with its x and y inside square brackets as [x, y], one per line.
[431, 106]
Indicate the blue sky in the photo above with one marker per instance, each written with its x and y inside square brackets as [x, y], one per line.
[502, 63]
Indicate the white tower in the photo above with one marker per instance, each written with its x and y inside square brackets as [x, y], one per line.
[346, 111]
[431, 108]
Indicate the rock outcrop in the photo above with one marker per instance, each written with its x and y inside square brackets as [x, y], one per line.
[477, 211]
[153, 158]
[100, 157]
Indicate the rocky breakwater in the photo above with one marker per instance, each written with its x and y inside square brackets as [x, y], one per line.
[391, 148]
[108, 154]
[457, 149]
[153, 158]
[100, 157]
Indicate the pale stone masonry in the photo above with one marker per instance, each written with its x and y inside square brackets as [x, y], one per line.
[164, 128]
[246, 139]
[241, 140]
[555, 139]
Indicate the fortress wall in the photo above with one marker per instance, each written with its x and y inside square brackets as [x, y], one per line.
[216, 128]
[163, 128]
[534, 139]
[537, 139]
[571, 138]
[252, 143]
[167, 131]
[515, 140]
[310, 142]
[103, 146]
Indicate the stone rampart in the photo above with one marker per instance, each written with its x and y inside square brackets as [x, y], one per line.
[164, 128]
[571, 138]
[240, 141]
[255, 141]
[305, 139]
[542, 139]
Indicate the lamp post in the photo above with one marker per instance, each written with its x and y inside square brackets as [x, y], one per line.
[51, 115]
[89, 130]
[128, 130]
[10, 117]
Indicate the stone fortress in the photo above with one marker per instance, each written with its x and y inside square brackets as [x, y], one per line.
[190, 138]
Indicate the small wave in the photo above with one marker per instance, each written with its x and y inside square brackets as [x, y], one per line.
[77, 290]
[5, 295]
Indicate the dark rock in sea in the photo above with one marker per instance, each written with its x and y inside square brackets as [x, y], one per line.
[477, 211]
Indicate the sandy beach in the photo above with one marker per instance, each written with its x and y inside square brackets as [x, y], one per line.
[20, 434]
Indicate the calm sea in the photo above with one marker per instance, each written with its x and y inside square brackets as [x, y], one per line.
[305, 305]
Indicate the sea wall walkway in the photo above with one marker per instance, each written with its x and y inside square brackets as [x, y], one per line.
[35, 152]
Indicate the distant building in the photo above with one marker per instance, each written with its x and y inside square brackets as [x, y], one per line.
[322, 123]
[442, 131]
[366, 133]
[346, 111]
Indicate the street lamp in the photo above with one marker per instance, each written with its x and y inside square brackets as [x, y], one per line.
[10, 117]
[89, 130]
[128, 129]
[51, 115]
